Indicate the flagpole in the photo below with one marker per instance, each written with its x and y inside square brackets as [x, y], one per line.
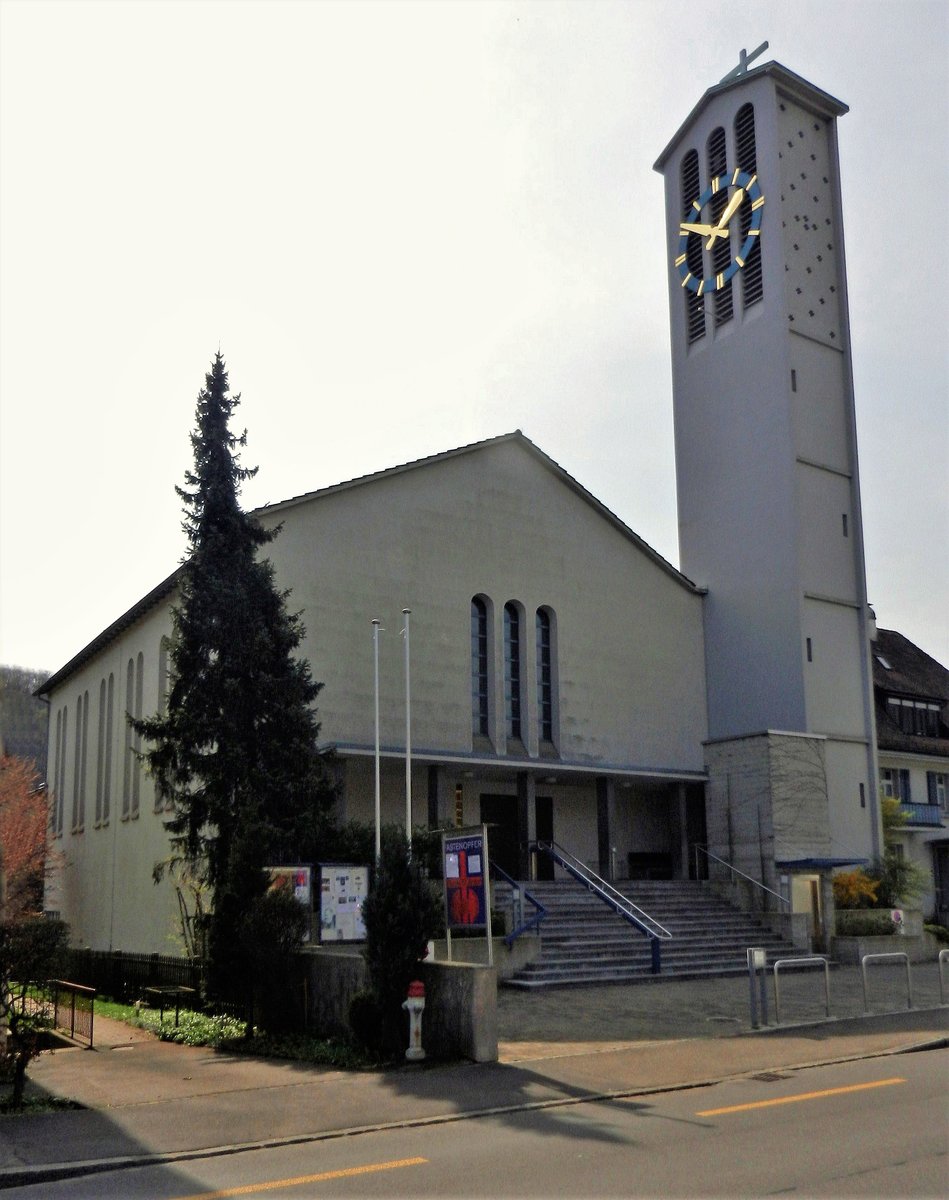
[406, 612]
[375, 654]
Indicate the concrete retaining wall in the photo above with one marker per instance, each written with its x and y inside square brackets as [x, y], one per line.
[460, 1018]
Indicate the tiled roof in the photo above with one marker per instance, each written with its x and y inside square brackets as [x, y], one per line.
[911, 672]
[900, 668]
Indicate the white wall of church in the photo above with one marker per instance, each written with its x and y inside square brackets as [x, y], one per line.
[107, 835]
[630, 663]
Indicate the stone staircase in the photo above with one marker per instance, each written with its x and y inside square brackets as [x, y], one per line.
[583, 941]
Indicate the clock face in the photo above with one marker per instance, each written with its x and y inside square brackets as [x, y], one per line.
[699, 237]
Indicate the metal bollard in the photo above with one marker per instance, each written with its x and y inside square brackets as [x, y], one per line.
[415, 1004]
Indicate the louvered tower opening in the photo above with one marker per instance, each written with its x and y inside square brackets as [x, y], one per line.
[694, 305]
[721, 251]
[752, 285]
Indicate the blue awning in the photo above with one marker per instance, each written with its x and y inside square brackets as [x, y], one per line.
[820, 864]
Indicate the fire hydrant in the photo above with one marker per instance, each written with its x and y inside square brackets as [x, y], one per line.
[415, 1003]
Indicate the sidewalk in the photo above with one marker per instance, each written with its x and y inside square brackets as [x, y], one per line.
[150, 1101]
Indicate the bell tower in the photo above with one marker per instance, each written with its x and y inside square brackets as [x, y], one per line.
[766, 463]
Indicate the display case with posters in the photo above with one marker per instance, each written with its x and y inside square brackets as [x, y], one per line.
[343, 888]
[298, 880]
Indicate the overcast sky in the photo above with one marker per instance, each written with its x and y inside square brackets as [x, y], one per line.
[409, 226]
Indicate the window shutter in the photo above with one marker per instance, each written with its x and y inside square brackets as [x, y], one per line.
[931, 787]
[904, 785]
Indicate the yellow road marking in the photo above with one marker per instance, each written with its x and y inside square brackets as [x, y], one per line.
[251, 1189]
[840, 1091]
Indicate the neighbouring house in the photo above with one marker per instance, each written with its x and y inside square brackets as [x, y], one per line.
[911, 691]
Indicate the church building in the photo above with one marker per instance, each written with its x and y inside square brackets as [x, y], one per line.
[568, 683]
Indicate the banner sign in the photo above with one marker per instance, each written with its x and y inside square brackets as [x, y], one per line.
[465, 859]
[343, 888]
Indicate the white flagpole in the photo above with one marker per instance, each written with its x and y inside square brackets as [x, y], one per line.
[406, 612]
[375, 654]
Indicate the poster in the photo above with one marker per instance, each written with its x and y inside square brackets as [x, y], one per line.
[465, 858]
[343, 888]
[299, 881]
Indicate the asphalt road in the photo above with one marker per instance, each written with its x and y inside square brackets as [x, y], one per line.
[878, 1127]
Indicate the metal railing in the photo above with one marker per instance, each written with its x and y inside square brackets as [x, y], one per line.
[74, 1008]
[735, 871]
[525, 926]
[814, 961]
[621, 905]
[879, 958]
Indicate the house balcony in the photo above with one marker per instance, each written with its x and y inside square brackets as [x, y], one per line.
[928, 815]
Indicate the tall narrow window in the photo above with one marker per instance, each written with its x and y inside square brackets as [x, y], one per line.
[752, 286]
[722, 250]
[512, 669]
[59, 771]
[479, 668]
[82, 742]
[694, 304]
[545, 678]
[163, 688]
[100, 752]
[137, 737]
[129, 740]
[109, 734]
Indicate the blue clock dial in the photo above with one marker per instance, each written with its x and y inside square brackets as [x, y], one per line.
[744, 197]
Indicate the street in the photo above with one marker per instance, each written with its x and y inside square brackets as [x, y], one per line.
[877, 1127]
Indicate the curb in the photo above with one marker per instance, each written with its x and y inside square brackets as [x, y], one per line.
[53, 1172]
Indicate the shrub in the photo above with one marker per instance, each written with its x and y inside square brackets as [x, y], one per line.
[854, 889]
[402, 912]
[899, 881]
[32, 950]
[864, 923]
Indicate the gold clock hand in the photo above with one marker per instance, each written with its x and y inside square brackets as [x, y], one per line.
[690, 227]
[721, 229]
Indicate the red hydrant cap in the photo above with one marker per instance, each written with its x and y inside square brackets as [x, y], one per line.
[416, 990]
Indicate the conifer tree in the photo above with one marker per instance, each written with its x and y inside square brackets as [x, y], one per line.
[235, 749]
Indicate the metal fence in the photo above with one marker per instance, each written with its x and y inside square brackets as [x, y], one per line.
[74, 1008]
[124, 977]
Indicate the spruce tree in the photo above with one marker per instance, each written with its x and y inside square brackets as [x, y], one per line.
[235, 749]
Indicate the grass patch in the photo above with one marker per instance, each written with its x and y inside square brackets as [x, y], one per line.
[227, 1033]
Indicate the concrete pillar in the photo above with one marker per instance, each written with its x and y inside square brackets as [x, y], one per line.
[605, 825]
[682, 867]
[526, 821]
[441, 798]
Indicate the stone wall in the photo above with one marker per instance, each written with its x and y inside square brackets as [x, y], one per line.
[460, 1019]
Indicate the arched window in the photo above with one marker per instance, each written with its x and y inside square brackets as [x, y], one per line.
[137, 737]
[545, 676]
[722, 250]
[79, 779]
[752, 285]
[104, 754]
[480, 675]
[59, 770]
[512, 669]
[164, 687]
[129, 740]
[694, 304]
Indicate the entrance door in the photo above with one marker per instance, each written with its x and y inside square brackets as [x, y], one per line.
[544, 823]
[499, 813]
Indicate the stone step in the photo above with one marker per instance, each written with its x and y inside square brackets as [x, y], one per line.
[584, 941]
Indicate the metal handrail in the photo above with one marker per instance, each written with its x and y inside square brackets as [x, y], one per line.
[607, 893]
[535, 920]
[736, 871]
